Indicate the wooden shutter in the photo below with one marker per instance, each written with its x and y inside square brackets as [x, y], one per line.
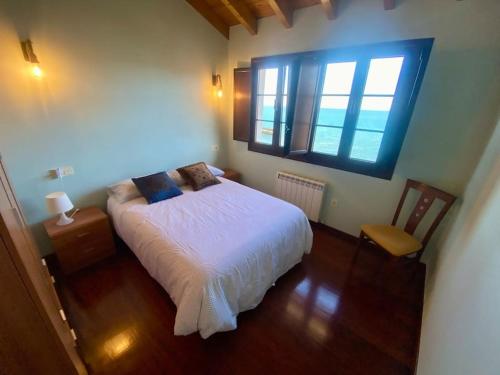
[242, 100]
[307, 86]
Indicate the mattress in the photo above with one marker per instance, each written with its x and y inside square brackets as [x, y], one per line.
[216, 251]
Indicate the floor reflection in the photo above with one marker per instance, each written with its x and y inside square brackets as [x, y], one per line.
[317, 328]
[312, 305]
[326, 300]
[120, 343]
[304, 288]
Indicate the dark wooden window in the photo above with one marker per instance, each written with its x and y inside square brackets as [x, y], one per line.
[242, 99]
[270, 110]
[345, 108]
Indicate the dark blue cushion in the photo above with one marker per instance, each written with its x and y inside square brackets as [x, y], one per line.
[157, 187]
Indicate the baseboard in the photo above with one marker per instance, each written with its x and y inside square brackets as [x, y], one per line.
[336, 232]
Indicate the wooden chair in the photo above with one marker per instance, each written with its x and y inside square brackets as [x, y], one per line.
[401, 242]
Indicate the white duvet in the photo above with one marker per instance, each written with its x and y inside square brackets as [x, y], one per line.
[215, 251]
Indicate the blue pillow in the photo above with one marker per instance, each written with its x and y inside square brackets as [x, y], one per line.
[157, 187]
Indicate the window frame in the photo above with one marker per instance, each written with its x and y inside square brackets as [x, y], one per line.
[416, 53]
[279, 62]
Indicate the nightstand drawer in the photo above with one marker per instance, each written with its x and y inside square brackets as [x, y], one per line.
[81, 255]
[82, 235]
[84, 242]
[75, 249]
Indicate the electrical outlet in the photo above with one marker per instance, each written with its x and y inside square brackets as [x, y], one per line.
[215, 148]
[61, 172]
[333, 203]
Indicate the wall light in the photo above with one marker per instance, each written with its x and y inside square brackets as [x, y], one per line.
[217, 83]
[29, 56]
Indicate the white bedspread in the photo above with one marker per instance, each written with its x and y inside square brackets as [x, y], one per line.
[216, 251]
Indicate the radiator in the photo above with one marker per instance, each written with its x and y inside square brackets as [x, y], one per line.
[301, 192]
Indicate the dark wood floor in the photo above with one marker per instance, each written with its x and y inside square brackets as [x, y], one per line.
[318, 319]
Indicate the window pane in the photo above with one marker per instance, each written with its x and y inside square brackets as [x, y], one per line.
[327, 140]
[268, 81]
[383, 76]
[366, 145]
[285, 84]
[374, 113]
[265, 108]
[282, 134]
[284, 108]
[264, 132]
[338, 78]
[332, 110]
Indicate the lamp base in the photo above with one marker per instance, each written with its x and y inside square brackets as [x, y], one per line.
[64, 220]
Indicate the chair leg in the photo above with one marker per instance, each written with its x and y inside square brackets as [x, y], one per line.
[356, 254]
[382, 265]
[358, 247]
[415, 270]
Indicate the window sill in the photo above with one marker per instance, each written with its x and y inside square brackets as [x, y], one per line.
[377, 170]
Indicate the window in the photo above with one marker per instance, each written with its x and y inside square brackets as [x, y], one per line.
[345, 108]
[376, 103]
[267, 90]
[333, 102]
[271, 96]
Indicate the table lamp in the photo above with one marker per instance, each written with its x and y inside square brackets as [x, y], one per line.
[58, 203]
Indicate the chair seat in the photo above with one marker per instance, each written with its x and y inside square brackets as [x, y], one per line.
[393, 239]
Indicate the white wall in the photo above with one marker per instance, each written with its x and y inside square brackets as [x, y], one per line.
[127, 92]
[461, 330]
[454, 112]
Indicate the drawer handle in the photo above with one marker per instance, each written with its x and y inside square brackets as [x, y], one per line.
[89, 250]
[52, 279]
[44, 263]
[73, 334]
[63, 315]
[81, 235]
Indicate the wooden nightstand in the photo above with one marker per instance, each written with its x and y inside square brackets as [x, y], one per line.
[85, 241]
[232, 175]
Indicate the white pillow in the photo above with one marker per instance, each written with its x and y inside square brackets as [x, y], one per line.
[215, 171]
[124, 191]
[174, 175]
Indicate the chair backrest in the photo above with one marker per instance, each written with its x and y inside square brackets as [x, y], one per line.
[429, 194]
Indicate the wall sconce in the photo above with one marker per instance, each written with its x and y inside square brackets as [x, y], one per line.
[29, 56]
[217, 83]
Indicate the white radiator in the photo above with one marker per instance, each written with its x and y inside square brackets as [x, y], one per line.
[302, 192]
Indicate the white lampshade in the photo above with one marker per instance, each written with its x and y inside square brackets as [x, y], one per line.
[58, 203]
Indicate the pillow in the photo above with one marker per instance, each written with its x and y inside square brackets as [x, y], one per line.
[123, 191]
[157, 187]
[180, 181]
[198, 176]
[215, 171]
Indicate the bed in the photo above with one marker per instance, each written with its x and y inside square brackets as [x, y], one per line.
[215, 251]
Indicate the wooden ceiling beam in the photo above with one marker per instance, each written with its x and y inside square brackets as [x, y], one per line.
[283, 11]
[204, 9]
[389, 4]
[242, 14]
[330, 8]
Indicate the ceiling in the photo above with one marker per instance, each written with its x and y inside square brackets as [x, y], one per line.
[260, 8]
[223, 14]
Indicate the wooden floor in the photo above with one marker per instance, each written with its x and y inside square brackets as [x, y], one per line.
[318, 319]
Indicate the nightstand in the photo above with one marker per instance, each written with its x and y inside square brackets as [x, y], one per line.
[232, 175]
[85, 241]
